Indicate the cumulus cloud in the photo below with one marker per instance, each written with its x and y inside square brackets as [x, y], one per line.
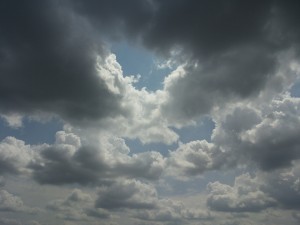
[278, 189]
[173, 212]
[235, 61]
[244, 196]
[14, 155]
[77, 206]
[12, 203]
[130, 194]
[193, 158]
[267, 136]
[69, 161]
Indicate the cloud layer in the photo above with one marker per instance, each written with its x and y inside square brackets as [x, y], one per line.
[233, 62]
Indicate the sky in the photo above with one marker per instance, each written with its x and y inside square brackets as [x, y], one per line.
[149, 112]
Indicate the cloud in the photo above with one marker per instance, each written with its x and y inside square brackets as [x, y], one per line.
[14, 155]
[48, 63]
[60, 42]
[131, 194]
[13, 120]
[279, 189]
[244, 196]
[2, 181]
[173, 212]
[191, 159]
[284, 186]
[234, 75]
[224, 59]
[9, 202]
[236, 62]
[266, 136]
[97, 162]
[77, 206]
[6, 221]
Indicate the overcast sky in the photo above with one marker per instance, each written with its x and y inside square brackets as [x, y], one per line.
[149, 112]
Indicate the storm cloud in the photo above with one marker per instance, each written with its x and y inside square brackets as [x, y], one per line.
[48, 63]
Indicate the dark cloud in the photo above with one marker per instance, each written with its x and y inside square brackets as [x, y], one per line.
[77, 206]
[48, 63]
[6, 221]
[48, 51]
[129, 194]
[117, 18]
[284, 186]
[63, 169]
[207, 27]
[97, 213]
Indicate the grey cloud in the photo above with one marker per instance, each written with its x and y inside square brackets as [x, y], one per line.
[58, 168]
[76, 197]
[7, 221]
[234, 75]
[77, 206]
[14, 156]
[48, 63]
[117, 18]
[12, 203]
[244, 196]
[191, 159]
[274, 143]
[234, 45]
[131, 194]
[2, 181]
[284, 186]
[279, 189]
[171, 212]
[98, 213]
[67, 161]
[149, 165]
[48, 52]
[264, 135]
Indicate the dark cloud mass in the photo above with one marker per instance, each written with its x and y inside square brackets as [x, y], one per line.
[48, 62]
[48, 50]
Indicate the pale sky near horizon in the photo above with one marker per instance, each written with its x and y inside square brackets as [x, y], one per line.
[149, 112]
